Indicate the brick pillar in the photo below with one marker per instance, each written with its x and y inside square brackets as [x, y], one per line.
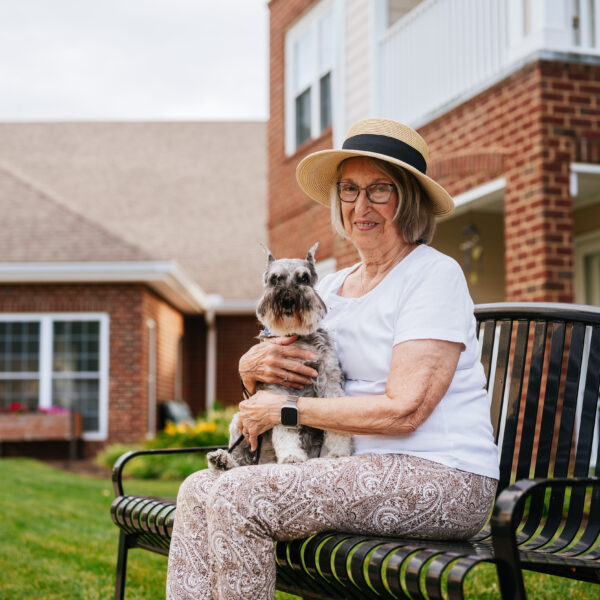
[538, 213]
[539, 237]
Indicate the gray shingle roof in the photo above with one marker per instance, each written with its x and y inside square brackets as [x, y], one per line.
[37, 228]
[194, 192]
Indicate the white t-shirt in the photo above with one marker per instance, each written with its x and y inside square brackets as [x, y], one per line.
[425, 296]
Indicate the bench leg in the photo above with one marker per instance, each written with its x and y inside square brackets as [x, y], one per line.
[121, 567]
[510, 577]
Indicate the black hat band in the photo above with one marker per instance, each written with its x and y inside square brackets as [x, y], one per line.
[389, 146]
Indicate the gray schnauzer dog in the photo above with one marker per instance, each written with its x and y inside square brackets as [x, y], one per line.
[291, 306]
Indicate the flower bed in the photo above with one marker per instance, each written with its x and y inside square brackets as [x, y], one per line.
[18, 425]
[210, 429]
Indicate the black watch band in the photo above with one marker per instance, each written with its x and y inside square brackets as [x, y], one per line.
[289, 412]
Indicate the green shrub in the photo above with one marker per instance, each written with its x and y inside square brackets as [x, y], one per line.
[210, 429]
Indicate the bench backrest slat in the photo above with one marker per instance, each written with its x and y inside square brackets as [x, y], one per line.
[568, 423]
[550, 402]
[530, 412]
[589, 408]
[515, 390]
[501, 371]
[487, 348]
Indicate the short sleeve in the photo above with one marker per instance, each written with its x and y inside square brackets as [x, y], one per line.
[435, 305]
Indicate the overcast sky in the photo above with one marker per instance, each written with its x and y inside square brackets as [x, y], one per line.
[133, 59]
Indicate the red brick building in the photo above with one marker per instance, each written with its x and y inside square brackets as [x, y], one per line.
[507, 95]
[130, 265]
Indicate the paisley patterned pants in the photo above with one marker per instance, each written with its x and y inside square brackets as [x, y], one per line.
[222, 543]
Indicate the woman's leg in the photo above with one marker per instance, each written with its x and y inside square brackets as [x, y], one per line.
[188, 571]
[388, 494]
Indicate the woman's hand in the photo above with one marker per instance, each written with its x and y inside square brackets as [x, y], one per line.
[277, 360]
[259, 414]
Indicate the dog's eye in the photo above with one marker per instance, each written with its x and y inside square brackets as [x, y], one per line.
[304, 279]
[273, 280]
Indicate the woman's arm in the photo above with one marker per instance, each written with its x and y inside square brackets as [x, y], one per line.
[276, 360]
[420, 374]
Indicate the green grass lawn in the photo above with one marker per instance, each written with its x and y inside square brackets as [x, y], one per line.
[58, 542]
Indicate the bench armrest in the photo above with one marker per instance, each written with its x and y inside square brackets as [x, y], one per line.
[506, 517]
[117, 473]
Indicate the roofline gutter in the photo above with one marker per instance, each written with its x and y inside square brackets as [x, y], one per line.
[165, 277]
[224, 306]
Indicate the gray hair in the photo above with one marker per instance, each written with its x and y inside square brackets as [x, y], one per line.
[414, 216]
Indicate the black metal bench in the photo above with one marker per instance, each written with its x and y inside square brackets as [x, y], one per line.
[542, 363]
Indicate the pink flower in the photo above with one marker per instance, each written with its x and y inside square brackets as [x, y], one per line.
[54, 410]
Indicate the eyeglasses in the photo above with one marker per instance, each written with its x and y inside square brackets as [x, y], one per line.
[377, 193]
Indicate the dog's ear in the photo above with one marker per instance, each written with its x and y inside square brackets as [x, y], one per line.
[310, 257]
[270, 257]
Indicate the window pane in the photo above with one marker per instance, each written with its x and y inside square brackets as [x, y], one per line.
[23, 391]
[326, 43]
[79, 395]
[19, 347]
[303, 117]
[76, 346]
[303, 62]
[325, 100]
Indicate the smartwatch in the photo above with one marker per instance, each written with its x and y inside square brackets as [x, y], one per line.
[289, 412]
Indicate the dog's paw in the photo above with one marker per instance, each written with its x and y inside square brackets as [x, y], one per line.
[220, 460]
[299, 457]
[337, 444]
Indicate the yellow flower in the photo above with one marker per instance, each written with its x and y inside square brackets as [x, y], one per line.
[203, 427]
[170, 428]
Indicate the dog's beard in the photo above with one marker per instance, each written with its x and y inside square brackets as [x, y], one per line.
[285, 313]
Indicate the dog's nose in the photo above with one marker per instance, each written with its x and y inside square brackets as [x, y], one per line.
[287, 303]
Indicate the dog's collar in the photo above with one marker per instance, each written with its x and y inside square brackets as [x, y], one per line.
[268, 334]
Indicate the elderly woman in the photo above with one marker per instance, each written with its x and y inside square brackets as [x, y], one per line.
[424, 461]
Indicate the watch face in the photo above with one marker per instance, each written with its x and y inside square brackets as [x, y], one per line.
[289, 416]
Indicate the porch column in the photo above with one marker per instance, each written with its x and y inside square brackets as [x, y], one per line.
[538, 219]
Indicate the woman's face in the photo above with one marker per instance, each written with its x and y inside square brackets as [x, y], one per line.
[368, 225]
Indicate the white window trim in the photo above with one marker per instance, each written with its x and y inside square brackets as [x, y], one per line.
[588, 243]
[45, 372]
[308, 21]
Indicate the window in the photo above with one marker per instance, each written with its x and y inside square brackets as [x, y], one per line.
[587, 268]
[309, 76]
[57, 360]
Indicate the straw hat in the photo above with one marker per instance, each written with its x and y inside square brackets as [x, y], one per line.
[388, 140]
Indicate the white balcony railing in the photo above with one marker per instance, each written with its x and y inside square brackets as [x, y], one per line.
[445, 50]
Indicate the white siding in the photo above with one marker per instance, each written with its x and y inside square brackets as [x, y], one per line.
[358, 57]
